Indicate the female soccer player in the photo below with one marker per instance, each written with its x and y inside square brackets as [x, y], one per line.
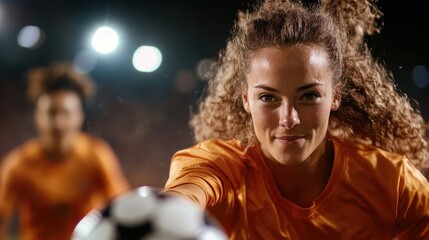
[303, 134]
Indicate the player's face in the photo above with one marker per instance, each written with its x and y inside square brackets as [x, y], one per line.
[290, 97]
[58, 118]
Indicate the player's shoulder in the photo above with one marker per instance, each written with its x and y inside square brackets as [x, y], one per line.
[214, 151]
[217, 147]
[92, 142]
[220, 146]
[368, 155]
[364, 148]
[21, 154]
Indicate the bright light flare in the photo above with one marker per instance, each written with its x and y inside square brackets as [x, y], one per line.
[206, 69]
[105, 40]
[421, 76]
[85, 61]
[30, 37]
[147, 59]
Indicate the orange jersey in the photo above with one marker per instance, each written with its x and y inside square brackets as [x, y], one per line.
[52, 197]
[371, 194]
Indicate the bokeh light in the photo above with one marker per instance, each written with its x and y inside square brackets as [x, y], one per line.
[147, 58]
[30, 37]
[105, 40]
[206, 69]
[185, 81]
[84, 61]
[421, 76]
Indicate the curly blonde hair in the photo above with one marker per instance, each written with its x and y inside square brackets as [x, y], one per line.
[372, 108]
[60, 75]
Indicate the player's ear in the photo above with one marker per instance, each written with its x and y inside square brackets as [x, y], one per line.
[336, 101]
[245, 99]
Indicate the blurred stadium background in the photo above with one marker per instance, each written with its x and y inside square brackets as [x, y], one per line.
[144, 115]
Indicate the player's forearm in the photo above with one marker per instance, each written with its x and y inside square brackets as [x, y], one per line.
[191, 192]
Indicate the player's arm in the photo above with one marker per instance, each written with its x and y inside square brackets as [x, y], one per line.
[7, 193]
[190, 191]
[113, 179]
[194, 175]
[413, 205]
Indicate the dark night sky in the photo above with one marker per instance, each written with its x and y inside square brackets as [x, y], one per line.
[185, 31]
[134, 107]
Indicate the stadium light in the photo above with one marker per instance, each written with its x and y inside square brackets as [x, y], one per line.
[147, 58]
[105, 40]
[30, 37]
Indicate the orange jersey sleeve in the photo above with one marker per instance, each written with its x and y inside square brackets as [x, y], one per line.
[113, 182]
[216, 167]
[9, 185]
[413, 204]
[371, 194]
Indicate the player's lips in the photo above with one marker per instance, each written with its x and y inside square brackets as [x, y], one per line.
[290, 139]
[58, 134]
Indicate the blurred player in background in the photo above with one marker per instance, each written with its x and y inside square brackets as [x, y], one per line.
[56, 178]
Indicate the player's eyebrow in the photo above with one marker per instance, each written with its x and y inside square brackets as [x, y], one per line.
[299, 89]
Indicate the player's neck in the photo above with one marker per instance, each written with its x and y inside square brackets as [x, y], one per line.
[304, 183]
[55, 152]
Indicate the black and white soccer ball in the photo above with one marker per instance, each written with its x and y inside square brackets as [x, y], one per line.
[145, 214]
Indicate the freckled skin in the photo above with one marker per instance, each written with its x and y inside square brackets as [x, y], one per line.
[290, 97]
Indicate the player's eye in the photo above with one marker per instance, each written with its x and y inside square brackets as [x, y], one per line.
[311, 97]
[267, 98]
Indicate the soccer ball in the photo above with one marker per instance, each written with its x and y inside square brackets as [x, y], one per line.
[146, 214]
